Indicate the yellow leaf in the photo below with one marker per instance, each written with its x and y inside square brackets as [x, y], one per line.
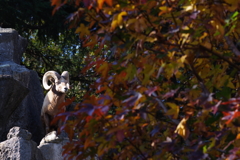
[163, 8]
[203, 36]
[183, 58]
[230, 84]
[184, 36]
[189, 8]
[114, 22]
[173, 111]
[182, 129]
[108, 117]
[83, 30]
[232, 5]
[118, 20]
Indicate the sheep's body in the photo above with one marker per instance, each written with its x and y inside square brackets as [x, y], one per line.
[54, 97]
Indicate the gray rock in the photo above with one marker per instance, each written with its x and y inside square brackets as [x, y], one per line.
[21, 95]
[51, 146]
[19, 146]
[12, 45]
[27, 115]
[18, 132]
[10, 100]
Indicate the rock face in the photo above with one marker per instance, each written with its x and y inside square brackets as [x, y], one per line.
[19, 146]
[21, 95]
[12, 45]
[51, 146]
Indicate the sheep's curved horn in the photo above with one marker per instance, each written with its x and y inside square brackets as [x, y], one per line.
[47, 76]
[65, 75]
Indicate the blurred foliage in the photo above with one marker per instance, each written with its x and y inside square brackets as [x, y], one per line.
[168, 87]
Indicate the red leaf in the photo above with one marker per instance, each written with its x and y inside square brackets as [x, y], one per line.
[88, 118]
[225, 113]
[236, 114]
[98, 112]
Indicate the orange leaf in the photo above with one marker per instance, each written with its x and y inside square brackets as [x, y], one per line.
[145, 124]
[225, 113]
[55, 2]
[238, 136]
[100, 3]
[109, 2]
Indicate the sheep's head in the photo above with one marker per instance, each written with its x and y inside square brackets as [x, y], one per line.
[61, 82]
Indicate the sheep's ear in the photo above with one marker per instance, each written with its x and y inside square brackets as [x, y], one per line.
[68, 86]
[65, 75]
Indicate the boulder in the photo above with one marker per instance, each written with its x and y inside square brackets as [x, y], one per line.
[19, 146]
[21, 95]
[10, 100]
[51, 146]
[12, 45]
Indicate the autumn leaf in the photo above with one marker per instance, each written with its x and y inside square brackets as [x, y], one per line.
[230, 116]
[101, 2]
[182, 129]
[83, 30]
[232, 4]
[173, 111]
[103, 69]
[118, 20]
[131, 71]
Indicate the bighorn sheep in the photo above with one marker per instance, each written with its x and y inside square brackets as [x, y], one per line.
[55, 96]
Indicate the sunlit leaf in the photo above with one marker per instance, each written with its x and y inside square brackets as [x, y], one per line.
[118, 20]
[182, 129]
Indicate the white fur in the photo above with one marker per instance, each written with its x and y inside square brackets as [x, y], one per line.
[55, 96]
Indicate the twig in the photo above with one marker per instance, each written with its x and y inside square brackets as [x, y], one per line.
[216, 53]
[232, 46]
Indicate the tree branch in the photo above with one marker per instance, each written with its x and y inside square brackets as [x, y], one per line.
[218, 54]
[232, 46]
